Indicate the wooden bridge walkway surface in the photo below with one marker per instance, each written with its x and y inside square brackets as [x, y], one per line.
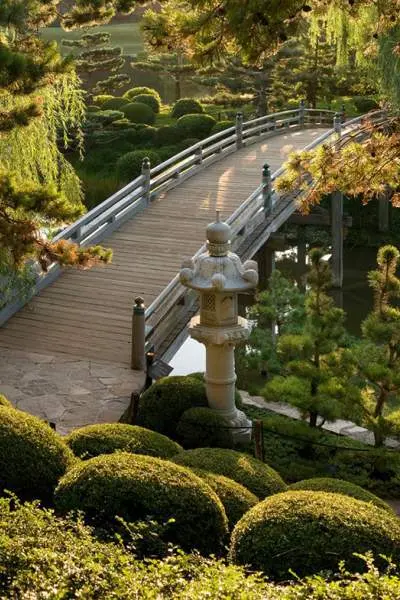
[87, 314]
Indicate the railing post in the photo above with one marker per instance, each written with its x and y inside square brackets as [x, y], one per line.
[302, 107]
[266, 188]
[146, 166]
[138, 358]
[343, 113]
[337, 124]
[239, 130]
[199, 155]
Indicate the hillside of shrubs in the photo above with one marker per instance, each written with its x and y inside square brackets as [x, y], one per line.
[138, 511]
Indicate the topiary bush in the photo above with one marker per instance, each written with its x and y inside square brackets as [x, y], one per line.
[129, 166]
[364, 104]
[102, 99]
[188, 142]
[162, 405]
[305, 532]
[186, 106]
[221, 126]
[167, 152]
[236, 499]
[140, 134]
[137, 112]
[115, 103]
[339, 486]
[106, 438]
[253, 474]
[150, 100]
[92, 108]
[198, 126]
[201, 427]
[134, 486]
[105, 117]
[32, 456]
[5, 402]
[168, 135]
[137, 91]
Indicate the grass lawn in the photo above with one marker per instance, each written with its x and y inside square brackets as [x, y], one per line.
[126, 35]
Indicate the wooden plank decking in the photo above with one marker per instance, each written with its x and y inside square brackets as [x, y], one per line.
[88, 314]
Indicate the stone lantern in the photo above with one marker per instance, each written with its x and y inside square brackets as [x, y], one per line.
[219, 276]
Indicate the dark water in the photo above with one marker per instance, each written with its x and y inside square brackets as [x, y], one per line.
[355, 298]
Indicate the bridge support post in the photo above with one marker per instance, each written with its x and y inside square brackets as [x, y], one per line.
[384, 202]
[266, 264]
[337, 124]
[239, 130]
[301, 113]
[146, 166]
[337, 239]
[138, 358]
[266, 188]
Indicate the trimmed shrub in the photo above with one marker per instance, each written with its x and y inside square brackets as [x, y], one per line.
[162, 405]
[186, 106]
[137, 91]
[339, 486]
[102, 99]
[115, 103]
[150, 100]
[168, 135]
[140, 134]
[121, 124]
[106, 438]
[32, 456]
[92, 108]
[188, 142]
[105, 117]
[364, 104]
[129, 166]
[221, 125]
[307, 532]
[5, 402]
[201, 427]
[198, 126]
[253, 474]
[134, 486]
[167, 152]
[236, 499]
[137, 112]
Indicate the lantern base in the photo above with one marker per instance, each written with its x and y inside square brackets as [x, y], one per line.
[241, 426]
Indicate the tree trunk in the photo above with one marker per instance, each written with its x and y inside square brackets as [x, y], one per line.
[379, 436]
[262, 99]
[313, 419]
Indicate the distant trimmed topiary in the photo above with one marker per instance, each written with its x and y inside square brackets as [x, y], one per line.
[5, 402]
[92, 108]
[306, 532]
[198, 126]
[201, 427]
[105, 117]
[221, 126]
[115, 103]
[137, 91]
[32, 456]
[140, 134]
[137, 112]
[162, 405]
[102, 99]
[364, 104]
[253, 474]
[188, 142]
[186, 106]
[340, 486]
[106, 438]
[129, 166]
[237, 499]
[134, 487]
[150, 100]
[168, 135]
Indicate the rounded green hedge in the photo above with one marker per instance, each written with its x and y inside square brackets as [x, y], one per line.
[198, 126]
[340, 486]
[115, 103]
[137, 112]
[140, 134]
[102, 99]
[253, 474]
[32, 456]
[236, 499]
[162, 405]
[186, 106]
[106, 438]
[221, 126]
[151, 101]
[364, 104]
[307, 532]
[137, 91]
[201, 427]
[5, 402]
[129, 166]
[105, 117]
[134, 487]
[168, 135]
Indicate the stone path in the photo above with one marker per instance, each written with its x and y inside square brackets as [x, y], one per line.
[65, 390]
[342, 427]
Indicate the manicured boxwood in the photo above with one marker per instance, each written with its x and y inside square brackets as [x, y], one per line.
[101, 99]
[137, 112]
[364, 104]
[32, 456]
[136, 91]
[129, 166]
[221, 126]
[115, 103]
[105, 117]
[162, 405]
[168, 135]
[106, 438]
[4, 401]
[186, 106]
[134, 487]
[253, 474]
[339, 486]
[150, 100]
[306, 532]
[198, 126]
[140, 134]
[236, 499]
[201, 427]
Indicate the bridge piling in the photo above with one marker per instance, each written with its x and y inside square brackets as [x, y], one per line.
[138, 357]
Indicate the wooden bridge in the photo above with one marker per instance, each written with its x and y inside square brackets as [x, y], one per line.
[151, 225]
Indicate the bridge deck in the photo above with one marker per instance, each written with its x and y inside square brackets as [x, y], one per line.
[88, 314]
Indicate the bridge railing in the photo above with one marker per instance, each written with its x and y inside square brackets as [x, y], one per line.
[132, 199]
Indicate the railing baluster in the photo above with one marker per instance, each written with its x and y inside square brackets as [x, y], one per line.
[239, 130]
[146, 166]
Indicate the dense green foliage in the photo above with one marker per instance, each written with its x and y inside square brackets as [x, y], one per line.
[202, 427]
[137, 91]
[196, 125]
[114, 103]
[32, 456]
[133, 487]
[150, 100]
[186, 106]
[137, 112]
[5, 402]
[253, 474]
[168, 135]
[129, 166]
[304, 532]
[106, 438]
